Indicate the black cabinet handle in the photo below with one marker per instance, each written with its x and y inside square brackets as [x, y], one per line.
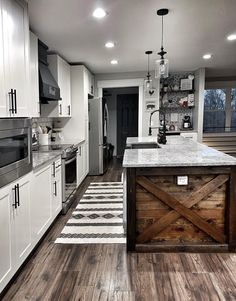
[55, 183]
[18, 194]
[80, 150]
[14, 93]
[11, 99]
[69, 110]
[15, 203]
[60, 109]
[54, 169]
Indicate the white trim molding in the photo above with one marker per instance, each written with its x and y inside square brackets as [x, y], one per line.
[120, 83]
[123, 83]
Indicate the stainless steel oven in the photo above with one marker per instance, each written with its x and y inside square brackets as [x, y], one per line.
[15, 149]
[69, 177]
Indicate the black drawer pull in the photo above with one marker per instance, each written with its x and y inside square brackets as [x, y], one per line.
[15, 194]
[55, 183]
[18, 194]
[12, 102]
[15, 101]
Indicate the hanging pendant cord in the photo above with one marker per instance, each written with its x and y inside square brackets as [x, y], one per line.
[148, 64]
[162, 31]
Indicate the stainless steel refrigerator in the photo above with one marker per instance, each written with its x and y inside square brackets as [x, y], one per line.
[98, 146]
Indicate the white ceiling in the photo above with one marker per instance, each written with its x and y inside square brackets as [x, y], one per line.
[192, 28]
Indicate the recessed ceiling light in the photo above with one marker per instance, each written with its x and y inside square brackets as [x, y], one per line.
[99, 13]
[114, 62]
[110, 44]
[207, 56]
[231, 37]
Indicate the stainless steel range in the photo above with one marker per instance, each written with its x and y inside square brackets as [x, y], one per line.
[69, 176]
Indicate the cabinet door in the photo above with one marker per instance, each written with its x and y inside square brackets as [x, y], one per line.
[57, 188]
[16, 39]
[41, 194]
[22, 236]
[34, 104]
[80, 165]
[4, 104]
[5, 237]
[65, 87]
[86, 159]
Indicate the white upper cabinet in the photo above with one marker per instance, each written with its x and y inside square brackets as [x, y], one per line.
[34, 102]
[64, 84]
[16, 56]
[60, 70]
[3, 98]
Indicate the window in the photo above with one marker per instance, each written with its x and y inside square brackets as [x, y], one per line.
[214, 110]
[233, 109]
[219, 110]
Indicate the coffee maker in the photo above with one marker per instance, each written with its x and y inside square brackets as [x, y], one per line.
[187, 122]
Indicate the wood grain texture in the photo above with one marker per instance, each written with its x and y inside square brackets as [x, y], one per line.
[173, 215]
[181, 209]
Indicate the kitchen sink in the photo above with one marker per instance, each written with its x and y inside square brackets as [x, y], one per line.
[145, 145]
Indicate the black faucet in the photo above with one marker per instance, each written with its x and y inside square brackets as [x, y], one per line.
[162, 130]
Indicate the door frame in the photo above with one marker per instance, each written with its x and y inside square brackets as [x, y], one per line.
[123, 83]
[119, 124]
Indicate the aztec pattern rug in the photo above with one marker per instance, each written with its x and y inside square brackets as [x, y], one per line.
[98, 217]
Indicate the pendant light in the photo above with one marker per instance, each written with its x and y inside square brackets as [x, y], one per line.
[162, 65]
[148, 81]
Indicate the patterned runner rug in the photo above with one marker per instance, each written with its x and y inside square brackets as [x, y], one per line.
[98, 218]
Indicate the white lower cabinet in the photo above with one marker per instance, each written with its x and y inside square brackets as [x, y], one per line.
[21, 233]
[41, 194]
[28, 206]
[5, 236]
[46, 197]
[80, 164]
[15, 233]
[56, 187]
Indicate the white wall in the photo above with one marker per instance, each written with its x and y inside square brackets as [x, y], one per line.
[112, 108]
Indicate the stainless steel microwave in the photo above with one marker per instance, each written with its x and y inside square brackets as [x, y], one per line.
[15, 149]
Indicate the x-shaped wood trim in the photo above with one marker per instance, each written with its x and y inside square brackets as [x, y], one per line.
[181, 209]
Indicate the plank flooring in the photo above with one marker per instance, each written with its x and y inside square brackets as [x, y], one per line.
[106, 272]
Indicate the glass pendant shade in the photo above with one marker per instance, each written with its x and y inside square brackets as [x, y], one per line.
[148, 84]
[162, 68]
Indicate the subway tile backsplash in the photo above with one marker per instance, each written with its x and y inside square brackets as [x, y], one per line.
[42, 121]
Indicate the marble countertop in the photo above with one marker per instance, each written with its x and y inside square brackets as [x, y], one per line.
[178, 152]
[41, 158]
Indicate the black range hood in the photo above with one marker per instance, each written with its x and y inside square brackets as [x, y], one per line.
[48, 87]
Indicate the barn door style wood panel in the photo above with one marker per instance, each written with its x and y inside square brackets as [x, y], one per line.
[202, 213]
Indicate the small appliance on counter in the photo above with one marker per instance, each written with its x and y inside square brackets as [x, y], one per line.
[187, 122]
[57, 135]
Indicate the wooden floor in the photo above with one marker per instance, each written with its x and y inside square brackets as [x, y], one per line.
[106, 272]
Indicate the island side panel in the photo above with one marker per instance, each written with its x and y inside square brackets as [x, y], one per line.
[203, 223]
[231, 211]
[131, 208]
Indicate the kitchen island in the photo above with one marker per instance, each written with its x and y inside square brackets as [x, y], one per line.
[180, 197]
